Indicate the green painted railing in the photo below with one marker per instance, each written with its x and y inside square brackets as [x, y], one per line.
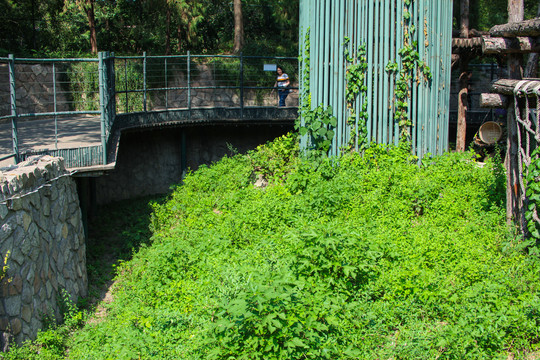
[106, 86]
[384, 27]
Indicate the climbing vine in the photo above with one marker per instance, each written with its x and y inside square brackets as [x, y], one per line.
[533, 195]
[355, 85]
[319, 123]
[305, 60]
[410, 61]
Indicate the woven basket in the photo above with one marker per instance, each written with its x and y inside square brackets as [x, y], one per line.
[490, 132]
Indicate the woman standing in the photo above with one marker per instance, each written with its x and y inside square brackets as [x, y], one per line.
[282, 83]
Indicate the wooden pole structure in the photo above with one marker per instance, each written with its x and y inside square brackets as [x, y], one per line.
[531, 70]
[461, 132]
[516, 45]
[515, 15]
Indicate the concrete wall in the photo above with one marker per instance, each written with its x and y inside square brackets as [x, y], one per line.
[41, 228]
[150, 161]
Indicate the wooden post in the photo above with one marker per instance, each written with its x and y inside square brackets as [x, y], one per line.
[462, 104]
[515, 14]
[461, 132]
[531, 70]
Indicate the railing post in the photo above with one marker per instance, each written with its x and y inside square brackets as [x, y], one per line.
[166, 87]
[12, 88]
[126, 85]
[189, 83]
[102, 102]
[112, 93]
[144, 81]
[55, 107]
[241, 85]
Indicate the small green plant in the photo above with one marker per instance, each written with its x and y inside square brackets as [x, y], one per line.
[4, 266]
[319, 124]
[275, 159]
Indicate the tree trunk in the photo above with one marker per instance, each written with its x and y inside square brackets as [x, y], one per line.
[89, 8]
[464, 28]
[168, 30]
[179, 35]
[238, 27]
[531, 70]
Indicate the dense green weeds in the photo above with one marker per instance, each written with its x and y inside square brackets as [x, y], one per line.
[361, 257]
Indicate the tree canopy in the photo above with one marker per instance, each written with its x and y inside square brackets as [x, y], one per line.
[63, 27]
[484, 14]
[67, 27]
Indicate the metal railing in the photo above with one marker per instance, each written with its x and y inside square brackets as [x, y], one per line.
[149, 83]
[66, 94]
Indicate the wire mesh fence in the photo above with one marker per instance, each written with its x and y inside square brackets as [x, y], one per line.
[58, 104]
[153, 83]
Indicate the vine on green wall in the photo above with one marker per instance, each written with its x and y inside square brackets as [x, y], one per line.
[305, 61]
[410, 61]
[319, 124]
[355, 85]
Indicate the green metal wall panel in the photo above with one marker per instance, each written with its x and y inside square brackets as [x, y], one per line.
[378, 24]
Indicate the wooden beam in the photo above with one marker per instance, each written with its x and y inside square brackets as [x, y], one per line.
[507, 86]
[501, 45]
[519, 28]
[493, 101]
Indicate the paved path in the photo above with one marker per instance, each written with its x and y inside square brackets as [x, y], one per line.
[38, 133]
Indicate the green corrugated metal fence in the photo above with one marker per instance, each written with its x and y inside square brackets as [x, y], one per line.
[379, 25]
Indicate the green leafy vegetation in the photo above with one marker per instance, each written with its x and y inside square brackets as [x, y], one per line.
[356, 257]
[356, 86]
[115, 234]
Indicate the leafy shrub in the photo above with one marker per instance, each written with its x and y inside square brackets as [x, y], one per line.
[354, 257]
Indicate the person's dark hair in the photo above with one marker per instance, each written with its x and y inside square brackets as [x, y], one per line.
[280, 67]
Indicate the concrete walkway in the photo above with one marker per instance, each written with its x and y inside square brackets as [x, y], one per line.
[38, 134]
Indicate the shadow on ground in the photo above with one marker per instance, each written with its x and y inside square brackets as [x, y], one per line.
[116, 232]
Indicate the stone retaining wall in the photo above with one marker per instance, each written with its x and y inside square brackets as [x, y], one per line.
[41, 228]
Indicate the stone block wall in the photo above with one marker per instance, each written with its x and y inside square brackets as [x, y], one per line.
[212, 97]
[41, 228]
[34, 89]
